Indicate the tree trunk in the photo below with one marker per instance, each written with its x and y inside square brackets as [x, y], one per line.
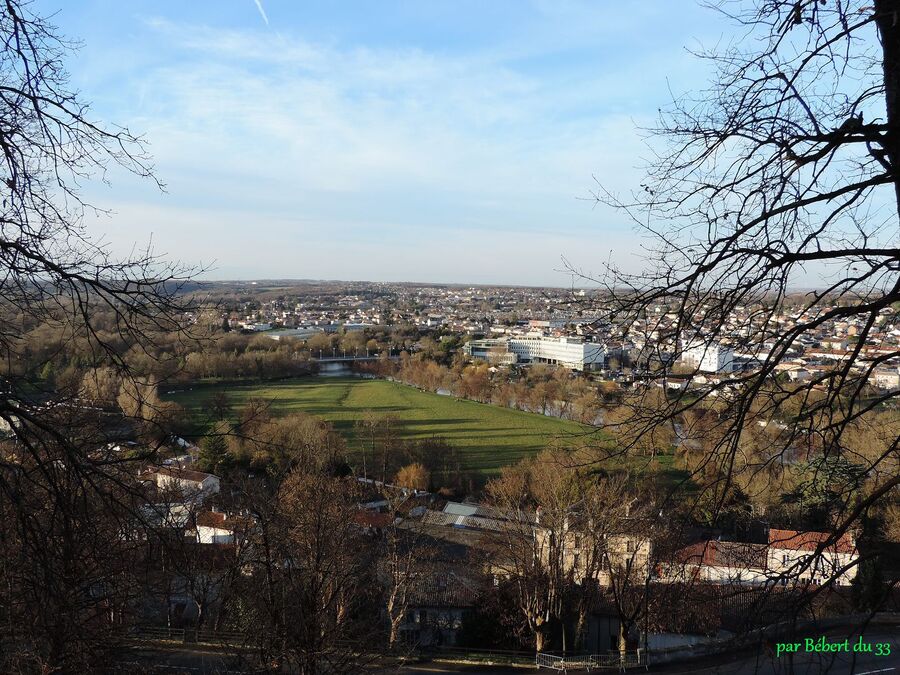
[395, 632]
[887, 18]
[580, 629]
[540, 639]
[623, 638]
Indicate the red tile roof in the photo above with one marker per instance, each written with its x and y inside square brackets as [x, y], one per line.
[222, 521]
[810, 541]
[724, 554]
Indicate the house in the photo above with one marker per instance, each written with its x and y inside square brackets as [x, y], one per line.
[809, 557]
[719, 562]
[623, 551]
[173, 516]
[438, 603]
[215, 527]
[193, 484]
[789, 557]
[885, 378]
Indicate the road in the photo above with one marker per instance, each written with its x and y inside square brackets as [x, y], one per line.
[433, 668]
[768, 662]
[741, 663]
[748, 662]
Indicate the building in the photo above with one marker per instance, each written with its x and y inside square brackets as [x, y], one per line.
[195, 484]
[621, 551]
[707, 357]
[214, 527]
[569, 352]
[547, 324]
[805, 556]
[789, 557]
[256, 326]
[437, 605]
[885, 378]
[719, 562]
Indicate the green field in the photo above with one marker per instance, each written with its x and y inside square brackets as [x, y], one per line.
[489, 437]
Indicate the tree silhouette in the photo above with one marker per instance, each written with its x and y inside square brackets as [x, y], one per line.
[781, 176]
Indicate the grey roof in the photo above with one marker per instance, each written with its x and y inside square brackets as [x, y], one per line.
[443, 589]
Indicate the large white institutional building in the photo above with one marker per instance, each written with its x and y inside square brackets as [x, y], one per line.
[569, 352]
[708, 358]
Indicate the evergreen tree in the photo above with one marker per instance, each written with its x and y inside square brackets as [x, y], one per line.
[214, 455]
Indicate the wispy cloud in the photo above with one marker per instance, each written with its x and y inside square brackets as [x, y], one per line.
[262, 12]
[401, 160]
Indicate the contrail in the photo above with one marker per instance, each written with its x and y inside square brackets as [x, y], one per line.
[262, 12]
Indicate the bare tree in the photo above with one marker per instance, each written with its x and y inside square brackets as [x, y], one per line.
[70, 503]
[780, 176]
[70, 551]
[310, 595]
[536, 499]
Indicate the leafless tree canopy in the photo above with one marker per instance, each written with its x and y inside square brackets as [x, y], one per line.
[70, 507]
[782, 176]
[51, 268]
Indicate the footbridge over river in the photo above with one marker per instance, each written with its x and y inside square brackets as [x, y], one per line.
[340, 356]
[337, 363]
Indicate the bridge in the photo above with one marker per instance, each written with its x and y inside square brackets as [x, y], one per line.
[343, 357]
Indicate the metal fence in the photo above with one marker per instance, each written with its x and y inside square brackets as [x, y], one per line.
[591, 662]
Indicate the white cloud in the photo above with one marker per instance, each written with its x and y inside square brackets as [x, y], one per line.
[417, 164]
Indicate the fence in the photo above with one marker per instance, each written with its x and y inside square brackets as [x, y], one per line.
[138, 668]
[590, 662]
[486, 656]
[189, 635]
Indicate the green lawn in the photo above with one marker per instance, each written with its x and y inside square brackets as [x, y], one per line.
[489, 437]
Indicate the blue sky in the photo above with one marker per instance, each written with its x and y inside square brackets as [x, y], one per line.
[422, 141]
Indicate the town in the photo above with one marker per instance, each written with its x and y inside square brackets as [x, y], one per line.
[568, 327]
[399, 338]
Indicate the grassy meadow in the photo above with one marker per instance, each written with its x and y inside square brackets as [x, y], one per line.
[488, 437]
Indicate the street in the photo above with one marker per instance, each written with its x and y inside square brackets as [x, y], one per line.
[739, 663]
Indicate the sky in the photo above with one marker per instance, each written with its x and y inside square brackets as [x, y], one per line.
[383, 141]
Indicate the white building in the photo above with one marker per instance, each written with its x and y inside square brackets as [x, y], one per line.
[886, 378]
[194, 484]
[719, 562]
[707, 357]
[803, 555]
[214, 527]
[569, 352]
[789, 558]
[256, 326]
